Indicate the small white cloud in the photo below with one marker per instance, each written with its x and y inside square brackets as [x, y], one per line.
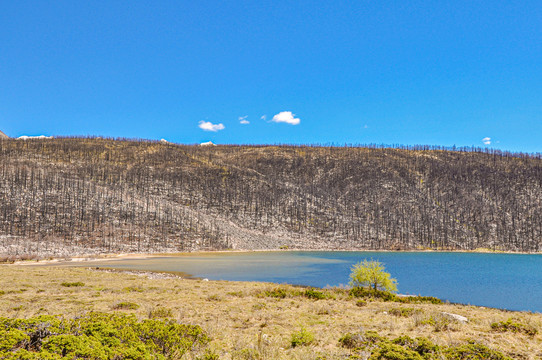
[486, 141]
[286, 117]
[209, 126]
[264, 117]
[243, 120]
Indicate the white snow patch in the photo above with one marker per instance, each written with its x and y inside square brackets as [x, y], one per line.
[24, 137]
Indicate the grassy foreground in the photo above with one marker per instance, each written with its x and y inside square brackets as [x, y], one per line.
[267, 321]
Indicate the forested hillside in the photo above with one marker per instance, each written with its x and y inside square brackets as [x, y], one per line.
[79, 196]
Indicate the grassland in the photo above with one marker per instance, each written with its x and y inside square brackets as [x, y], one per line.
[260, 320]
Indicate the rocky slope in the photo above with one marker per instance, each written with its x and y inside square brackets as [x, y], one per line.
[74, 196]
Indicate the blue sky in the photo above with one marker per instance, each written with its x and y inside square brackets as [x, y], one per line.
[393, 72]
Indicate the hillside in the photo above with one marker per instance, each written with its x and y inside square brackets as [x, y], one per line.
[79, 196]
[3, 136]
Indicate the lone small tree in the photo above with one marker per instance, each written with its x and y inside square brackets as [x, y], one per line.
[371, 273]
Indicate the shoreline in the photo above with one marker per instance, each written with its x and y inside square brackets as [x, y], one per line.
[141, 256]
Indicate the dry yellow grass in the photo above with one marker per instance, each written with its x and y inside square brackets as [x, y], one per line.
[243, 322]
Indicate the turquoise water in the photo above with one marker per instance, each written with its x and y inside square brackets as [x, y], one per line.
[507, 281]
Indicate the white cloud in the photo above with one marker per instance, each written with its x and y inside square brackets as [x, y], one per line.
[243, 120]
[486, 141]
[209, 126]
[286, 117]
[264, 117]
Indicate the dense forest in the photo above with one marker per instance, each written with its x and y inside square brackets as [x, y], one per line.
[68, 196]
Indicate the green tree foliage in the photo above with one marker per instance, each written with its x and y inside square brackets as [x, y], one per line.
[371, 273]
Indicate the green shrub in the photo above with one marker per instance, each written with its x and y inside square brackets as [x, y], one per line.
[130, 289]
[440, 322]
[279, 293]
[390, 351]
[314, 294]
[361, 303]
[473, 351]
[302, 338]
[11, 338]
[73, 284]
[363, 292]
[160, 312]
[351, 341]
[97, 336]
[418, 300]
[420, 345]
[126, 305]
[403, 312]
[514, 326]
[209, 355]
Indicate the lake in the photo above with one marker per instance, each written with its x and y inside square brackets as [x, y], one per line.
[507, 281]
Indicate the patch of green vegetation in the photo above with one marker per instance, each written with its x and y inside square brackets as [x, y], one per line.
[390, 351]
[515, 326]
[473, 351]
[407, 348]
[371, 273]
[351, 341]
[369, 293]
[73, 284]
[209, 355]
[130, 289]
[361, 303]
[214, 297]
[98, 336]
[160, 312]
[125, 305]
[403, 312]
[439, 322]
[301, 338]
[314, 294]
[279, 293]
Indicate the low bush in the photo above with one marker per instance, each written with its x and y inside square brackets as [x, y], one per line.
[361, 303]
[473, 351]
[374, 347]
[314, 294]
[73, 284]
[403, 312]
[302, 338]
[440, 322]
[98, 336]
[515, 326]
[390, 351]
[351, 341]
[279, 293]
[125, 305]
[160, 312]
[364, 292]
[130, 289]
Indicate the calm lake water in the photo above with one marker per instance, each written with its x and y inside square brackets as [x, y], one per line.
[507, 281]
